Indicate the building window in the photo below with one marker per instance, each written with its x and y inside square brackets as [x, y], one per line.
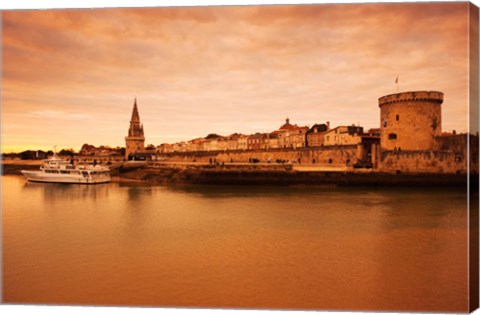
[392, 136]
[397, 117]
[385, 124]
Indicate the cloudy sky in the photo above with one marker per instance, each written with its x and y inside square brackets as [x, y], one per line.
[69, 77]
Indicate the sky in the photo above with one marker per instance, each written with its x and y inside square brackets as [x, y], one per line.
[70, 77]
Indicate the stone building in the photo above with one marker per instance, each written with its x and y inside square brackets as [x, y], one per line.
[180, 147]
[343, 135]
[165, 148]
[292, 136]
[242, 142]
[273, 140]
[410, 120]
[232, 142]
[211, 142]
[196, 145]
[222, 143]
[257, 141]
[315, 135]
[135, 141]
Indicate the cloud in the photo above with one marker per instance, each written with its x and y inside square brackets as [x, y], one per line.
[228, 68]
[58, 115]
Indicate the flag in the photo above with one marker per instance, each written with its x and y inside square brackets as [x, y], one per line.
[396, 80]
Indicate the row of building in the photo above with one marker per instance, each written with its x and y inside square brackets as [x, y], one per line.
[288, 136]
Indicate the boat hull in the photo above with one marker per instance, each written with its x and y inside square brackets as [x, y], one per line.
[41, 177]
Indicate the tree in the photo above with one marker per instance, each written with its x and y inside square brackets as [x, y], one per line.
[212, 136]
[27, 155]
[68, 152]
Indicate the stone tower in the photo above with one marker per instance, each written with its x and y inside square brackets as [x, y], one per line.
[410, 120]
[135, 141]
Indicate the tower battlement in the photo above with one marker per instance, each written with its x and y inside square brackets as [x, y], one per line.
[417, 96]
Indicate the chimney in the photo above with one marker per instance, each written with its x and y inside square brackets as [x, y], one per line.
[328, 125]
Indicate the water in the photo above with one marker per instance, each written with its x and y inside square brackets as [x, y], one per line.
[241, 247]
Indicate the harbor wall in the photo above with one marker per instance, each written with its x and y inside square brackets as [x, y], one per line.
[450, 154]
[335, 155]
[266, 174]
[423, 161]
[285, 175]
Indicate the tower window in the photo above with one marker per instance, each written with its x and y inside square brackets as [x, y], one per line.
[392, 136]
[385, 124]
[397, 117]
[434, 123]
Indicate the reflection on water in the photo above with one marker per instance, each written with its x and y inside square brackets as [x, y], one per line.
[54, 192]
[253, 247]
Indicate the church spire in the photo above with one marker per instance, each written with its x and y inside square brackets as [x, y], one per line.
[136, 128]
[135, 115]
[135, 141]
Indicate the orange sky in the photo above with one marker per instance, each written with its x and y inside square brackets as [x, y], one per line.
[69, 77]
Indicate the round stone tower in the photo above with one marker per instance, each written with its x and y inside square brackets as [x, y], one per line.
[410, 120]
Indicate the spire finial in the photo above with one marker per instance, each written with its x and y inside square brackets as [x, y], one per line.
[135, 116]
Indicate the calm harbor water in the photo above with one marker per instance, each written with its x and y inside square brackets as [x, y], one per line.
[240, 247]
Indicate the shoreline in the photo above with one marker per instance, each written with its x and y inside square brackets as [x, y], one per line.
[282, 175]
[260, 174]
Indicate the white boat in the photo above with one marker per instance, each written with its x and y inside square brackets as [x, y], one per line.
[56, 170]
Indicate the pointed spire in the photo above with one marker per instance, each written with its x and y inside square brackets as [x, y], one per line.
[136, 129]
[135, 115]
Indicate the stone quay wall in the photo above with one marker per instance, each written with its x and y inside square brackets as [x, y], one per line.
[423, 162]
[450, 154]
[332, 155]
